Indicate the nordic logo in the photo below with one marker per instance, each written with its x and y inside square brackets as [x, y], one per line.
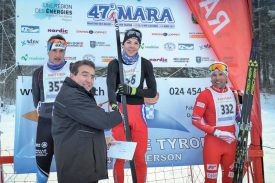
[146, 17]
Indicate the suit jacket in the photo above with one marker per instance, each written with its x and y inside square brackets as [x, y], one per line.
[78, 132]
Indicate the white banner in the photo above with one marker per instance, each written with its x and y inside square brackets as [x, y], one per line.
[173, 140]
[25, 129]
[170, 37]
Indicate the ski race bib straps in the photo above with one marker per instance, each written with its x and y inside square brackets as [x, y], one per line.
[132, 73]
[53, 80]
[225, 107]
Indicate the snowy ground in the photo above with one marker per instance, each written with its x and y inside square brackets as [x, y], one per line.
[7, 123]
[268, 119]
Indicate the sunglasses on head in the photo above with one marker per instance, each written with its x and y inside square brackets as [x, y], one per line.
[219, 66]
[132, 32]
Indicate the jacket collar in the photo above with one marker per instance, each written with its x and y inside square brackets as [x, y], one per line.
[220, 90]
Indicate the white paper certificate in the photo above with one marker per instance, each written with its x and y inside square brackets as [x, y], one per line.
[122, 150]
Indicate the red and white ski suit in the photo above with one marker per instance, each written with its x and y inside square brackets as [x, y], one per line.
[216, 109]
[138, 126]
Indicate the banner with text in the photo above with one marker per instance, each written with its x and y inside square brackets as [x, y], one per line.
[173, 140]
[171, 37]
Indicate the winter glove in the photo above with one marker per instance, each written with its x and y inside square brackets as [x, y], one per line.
[115, 107]
[124, 89]
[226, 136]
[238, 118]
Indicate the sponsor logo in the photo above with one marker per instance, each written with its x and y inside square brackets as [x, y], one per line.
[62, 31]
[212, 175]
[161, 59]
[225, 98]
[196, 35]
[75, 44]
[107, 58]
[54, 10]
[169, 46]
[208, 166]
[185, 46]
[90, 32]
[94, 44]
[200, 59]
[89, 57]
[182, 59]
[202, 105]
[26, 57]
[30, 42]
[30, 29]
[205, 46]
[143, 17]
[44, 145]
[97, 32]
[165, 34]
[143, 46]
[70, 58]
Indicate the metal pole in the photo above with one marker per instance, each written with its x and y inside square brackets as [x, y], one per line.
[191, 171]
[2, 33]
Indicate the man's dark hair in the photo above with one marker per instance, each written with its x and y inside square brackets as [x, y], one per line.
[76, 65]
[58, 36]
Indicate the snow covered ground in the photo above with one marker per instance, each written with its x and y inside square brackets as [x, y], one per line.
[7, 124]
[268, 120]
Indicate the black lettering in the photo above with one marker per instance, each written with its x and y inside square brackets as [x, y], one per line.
[25, 91]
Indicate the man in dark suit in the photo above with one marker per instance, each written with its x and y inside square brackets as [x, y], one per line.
[78, 128]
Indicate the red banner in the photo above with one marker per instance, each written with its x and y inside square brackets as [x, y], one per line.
[227, 26]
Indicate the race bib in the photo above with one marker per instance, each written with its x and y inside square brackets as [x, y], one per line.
[53, 80]
[132, 74]
[225, 106]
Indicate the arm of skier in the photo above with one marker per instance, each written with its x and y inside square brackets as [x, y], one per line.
[112, 76]
[151, 90]
[35, 88]
[198, 113]
[238, 97]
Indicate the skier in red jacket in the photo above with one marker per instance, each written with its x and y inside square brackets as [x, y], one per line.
[214, 113]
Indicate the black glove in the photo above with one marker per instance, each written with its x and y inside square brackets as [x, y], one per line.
[124, 89]
[115, 107]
